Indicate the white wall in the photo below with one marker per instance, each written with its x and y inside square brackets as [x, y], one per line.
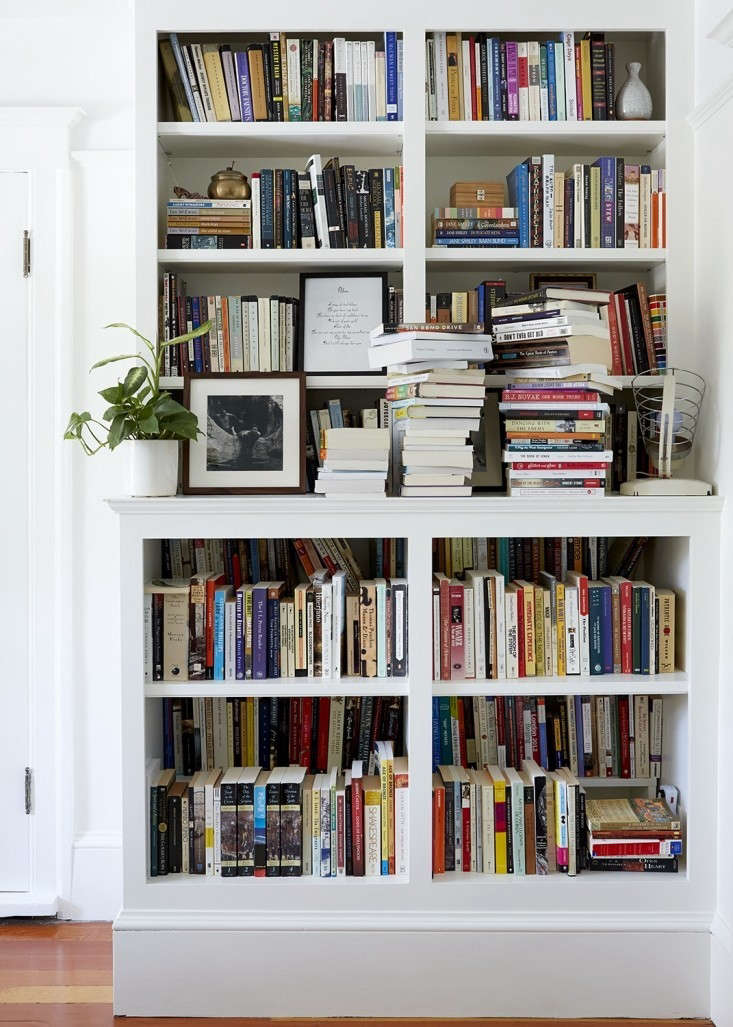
[713, 120]
[79, 53]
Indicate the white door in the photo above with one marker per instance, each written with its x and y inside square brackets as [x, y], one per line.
[15, 853]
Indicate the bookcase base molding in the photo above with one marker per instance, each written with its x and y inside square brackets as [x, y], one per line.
[352, 971]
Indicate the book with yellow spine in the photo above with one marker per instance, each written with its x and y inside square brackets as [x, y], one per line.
[372, 826]
[500, 824]
[560, 620]
[385, 760]
[217, 84]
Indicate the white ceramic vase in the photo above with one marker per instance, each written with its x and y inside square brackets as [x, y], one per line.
[154, 467]
[634, 101]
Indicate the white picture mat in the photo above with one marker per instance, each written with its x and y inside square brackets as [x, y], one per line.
[289, 389]
[338, 314]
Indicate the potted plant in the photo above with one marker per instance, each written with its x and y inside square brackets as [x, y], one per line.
[139, 411]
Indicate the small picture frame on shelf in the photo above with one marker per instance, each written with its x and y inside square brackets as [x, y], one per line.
[488, 469]
[562, 280]
[337, 312]
[253, 439]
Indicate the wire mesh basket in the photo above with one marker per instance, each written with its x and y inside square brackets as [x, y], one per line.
[668, 402]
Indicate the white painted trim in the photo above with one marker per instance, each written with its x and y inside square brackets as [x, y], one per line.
[98, 840]
[722, 931]
[28, 905]
[428, 921]
[45, 118]
[707, 110]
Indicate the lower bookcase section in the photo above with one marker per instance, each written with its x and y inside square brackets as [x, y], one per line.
[388, 968]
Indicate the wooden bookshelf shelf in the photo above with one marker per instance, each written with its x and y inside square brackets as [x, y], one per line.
[271, 139]
[445, 258]
[602, 684]
[519, 138]
[287, 687]
[279, 260]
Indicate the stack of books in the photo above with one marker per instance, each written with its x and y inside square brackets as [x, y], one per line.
[633, 834]
[475, 226]
[609, 204]
[435, 402]
[552, 327]
[355, 462]
[555, 436]
[202, 224]
[285, 79]
[476, 77]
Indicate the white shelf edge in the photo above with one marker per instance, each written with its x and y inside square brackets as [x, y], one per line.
[387, 257]
[543, 255]
[305, 881]
[580, 128]
[601, 684]
[288, 687]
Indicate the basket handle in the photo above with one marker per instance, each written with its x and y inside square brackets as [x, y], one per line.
[666, 434]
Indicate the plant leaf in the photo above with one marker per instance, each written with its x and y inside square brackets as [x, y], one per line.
[134, 380]
[111, 412]
[201, 330]
[111, 360]
[115, 431]
[114, 394]
[165, 405]
[149, 425]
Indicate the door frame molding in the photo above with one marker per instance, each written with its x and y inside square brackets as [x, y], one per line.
[37, 141]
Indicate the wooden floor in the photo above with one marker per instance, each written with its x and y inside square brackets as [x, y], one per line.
[54, 973]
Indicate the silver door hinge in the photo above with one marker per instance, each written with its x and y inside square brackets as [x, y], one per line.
[28, 784]
[26, 253]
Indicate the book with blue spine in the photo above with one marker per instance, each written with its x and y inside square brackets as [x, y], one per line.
[241, 63]
[260, 823]
[263, 734]
[496, 78]
[389, 211]
[259, 631]
[595, 627]
[390, 51]
[518, 187]
[436, 732]
[549, 49]
[446, 743]
[198, 352]
[542, 730]
[176, 47]
[274, 592]
[287, 203]
[608, 201]
[254, 559]
[267, 208]
[487, 49]
[220, 598]
[646, 608]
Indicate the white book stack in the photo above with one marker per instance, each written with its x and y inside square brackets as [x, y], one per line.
[435, 401]
[355, 462]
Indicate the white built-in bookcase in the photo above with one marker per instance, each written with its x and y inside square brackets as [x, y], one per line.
[463, 945]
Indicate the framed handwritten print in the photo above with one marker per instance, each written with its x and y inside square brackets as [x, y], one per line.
[338, 310]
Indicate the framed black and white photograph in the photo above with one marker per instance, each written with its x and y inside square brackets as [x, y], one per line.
[337, 312]
[253, 437]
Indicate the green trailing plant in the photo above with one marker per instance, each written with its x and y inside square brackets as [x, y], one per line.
[138, 408]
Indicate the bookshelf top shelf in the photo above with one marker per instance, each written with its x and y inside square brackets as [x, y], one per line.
[266, 138]
[484, 138]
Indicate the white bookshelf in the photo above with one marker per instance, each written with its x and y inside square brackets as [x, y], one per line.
[279, 947]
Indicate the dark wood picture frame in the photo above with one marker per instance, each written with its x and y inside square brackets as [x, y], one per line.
[264, 377]
[563, 280]
[308, 275]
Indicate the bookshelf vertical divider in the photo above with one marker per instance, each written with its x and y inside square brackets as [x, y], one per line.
[465, 946]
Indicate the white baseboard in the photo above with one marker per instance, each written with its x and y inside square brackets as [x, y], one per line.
[27, 904]
[434, 973]
[96, 877]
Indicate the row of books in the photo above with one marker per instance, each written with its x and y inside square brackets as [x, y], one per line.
[248, 333]
[285, 79]
[532, 821]
[609, 204]
[331, 206]
[284, 822]
[569, 424]
[205, 628]
[464, 306]
[596, 556]
[595, 736]
[247, 560]
[486, 627]
[355, 462]
[478, 77]
[318, 732]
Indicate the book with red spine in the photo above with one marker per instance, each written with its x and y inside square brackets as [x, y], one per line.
[306, 729]
[212, 583]
[519, 729]
[579, 82]
[520, 631]
[294, 732]
[625, 590]
[624, 329]
[438, 825]
[617, 366]
[456, 630]
[472, 64]
[623, 730]
[501, 726]
[324, 717]
[357, 819]
[445, 654]
[466, 820]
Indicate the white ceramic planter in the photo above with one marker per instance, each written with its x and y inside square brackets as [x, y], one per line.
[154, 468]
